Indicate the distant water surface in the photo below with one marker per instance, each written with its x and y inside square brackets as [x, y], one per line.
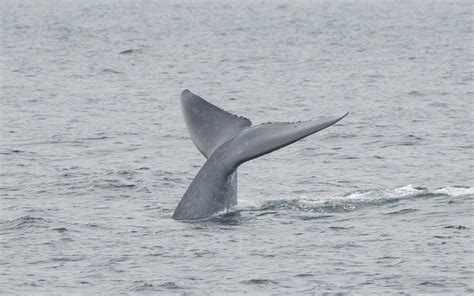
[95, 156]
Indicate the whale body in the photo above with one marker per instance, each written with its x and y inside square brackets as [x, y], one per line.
[227, 141]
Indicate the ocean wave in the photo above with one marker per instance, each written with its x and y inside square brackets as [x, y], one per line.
[357, 199]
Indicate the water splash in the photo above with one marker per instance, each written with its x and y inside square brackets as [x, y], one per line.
[357, 199]
[455, 191]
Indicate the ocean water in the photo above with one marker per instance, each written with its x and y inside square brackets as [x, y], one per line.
[95, 156]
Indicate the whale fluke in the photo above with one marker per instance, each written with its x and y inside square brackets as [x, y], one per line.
[265, 138]
[208, 125]
[227, 141]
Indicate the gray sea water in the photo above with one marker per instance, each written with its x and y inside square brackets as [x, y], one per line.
[95, 156]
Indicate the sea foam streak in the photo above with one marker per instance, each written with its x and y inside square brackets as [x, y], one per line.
[455, 191]
[356, 199]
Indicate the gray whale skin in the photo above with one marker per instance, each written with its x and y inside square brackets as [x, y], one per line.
[227, 141]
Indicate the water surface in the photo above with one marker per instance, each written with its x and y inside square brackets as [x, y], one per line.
[95, 155]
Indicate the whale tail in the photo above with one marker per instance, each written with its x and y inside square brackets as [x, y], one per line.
[208, 125]
[227, 141]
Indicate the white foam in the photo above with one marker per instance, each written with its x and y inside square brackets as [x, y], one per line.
[369, 196]
[407, 191]
[455, 191]
[400, 192]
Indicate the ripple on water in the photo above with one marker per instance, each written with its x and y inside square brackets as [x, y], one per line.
[22, 222]
[112, 184]
[259, 282]
[402, 212]
[140, 286]
[10, 151]
[458, 227]
[304, 275]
